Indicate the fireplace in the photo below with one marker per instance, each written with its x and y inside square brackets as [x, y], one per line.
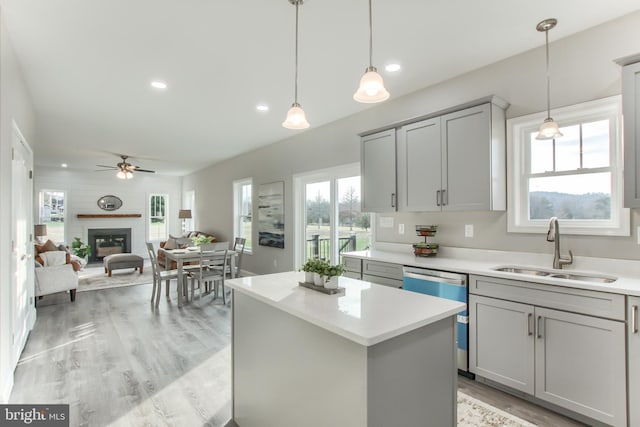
[107, 241]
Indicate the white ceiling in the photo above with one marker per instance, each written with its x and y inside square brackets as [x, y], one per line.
[88, 64]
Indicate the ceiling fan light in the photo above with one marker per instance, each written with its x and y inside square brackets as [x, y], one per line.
[549, 130]
[121, 175]
[371, 88]
[296, 118]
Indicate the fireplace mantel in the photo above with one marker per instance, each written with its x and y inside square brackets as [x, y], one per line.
[109, 215]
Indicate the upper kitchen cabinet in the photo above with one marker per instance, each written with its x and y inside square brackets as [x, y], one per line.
[378, 168]
[631, 112]
[454, 162]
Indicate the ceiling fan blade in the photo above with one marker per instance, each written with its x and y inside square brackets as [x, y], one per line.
[109, 167]
[104, 170]
[144, 170]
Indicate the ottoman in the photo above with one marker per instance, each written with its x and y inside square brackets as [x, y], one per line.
[119, 261]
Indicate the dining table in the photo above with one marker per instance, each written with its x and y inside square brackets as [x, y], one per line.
[190, 254]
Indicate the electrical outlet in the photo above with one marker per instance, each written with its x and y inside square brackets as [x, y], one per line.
[638, 235]
[468, 230]
[400, 228]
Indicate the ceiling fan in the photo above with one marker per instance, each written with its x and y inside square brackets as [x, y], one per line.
[125, 169]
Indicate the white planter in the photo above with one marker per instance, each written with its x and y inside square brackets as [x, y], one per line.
[318, 280]
[332, 283]
[308, 276]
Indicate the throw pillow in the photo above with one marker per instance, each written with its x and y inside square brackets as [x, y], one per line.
[49, 246]
[171, 244]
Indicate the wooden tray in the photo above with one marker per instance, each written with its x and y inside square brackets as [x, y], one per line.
[321, 288]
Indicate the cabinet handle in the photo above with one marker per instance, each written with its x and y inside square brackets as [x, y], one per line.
[393, 200]
[438, 198]
[634, 318]
[529, 324]
[539, 327]
[445, 198]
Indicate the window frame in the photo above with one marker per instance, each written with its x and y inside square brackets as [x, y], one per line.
[166, 217]
[518, 169]
[64, 213]
[238, 230]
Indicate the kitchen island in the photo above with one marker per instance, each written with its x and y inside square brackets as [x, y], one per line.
[367, 357]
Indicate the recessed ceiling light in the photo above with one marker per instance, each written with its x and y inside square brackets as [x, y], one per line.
[262, 107]
[392, 68]
[64, 165]
[158, 84]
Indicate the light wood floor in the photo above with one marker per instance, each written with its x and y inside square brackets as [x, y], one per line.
[117, 362]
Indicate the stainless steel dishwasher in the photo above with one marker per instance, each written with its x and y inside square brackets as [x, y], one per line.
[443, 284]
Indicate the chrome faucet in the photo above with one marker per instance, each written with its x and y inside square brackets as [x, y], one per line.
[553, 235]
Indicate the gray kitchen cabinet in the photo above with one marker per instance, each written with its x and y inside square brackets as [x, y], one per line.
[378, 171]
[454, 162]
[352, 267]
[631, 112]
[564, 346]
[501, 342]
[633, 358]
[382, 273]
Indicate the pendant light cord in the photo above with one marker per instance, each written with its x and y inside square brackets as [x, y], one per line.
[370, 37]
[295, 91]
[546, 33]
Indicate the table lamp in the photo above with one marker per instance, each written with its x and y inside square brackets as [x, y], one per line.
[184, 214]
[40, 231]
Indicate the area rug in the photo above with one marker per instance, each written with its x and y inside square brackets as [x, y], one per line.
[475, 413]
[93, 278]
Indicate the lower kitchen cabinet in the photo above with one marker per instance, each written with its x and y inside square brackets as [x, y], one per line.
[633, 350]
[574, 361]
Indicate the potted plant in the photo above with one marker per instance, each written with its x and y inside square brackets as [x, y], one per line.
[331, 273]
[80, 249]
[201, 240]
[309, 268]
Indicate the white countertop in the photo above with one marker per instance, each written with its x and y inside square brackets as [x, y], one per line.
[484, 262]
[366, 313]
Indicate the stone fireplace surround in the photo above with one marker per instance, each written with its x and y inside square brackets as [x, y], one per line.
[107, 241]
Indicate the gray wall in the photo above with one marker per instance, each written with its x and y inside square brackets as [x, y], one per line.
[15, 105]
[582, 69]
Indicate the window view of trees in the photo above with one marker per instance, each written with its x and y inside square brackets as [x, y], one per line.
[544, 205]
[52, 214]
[158, 228]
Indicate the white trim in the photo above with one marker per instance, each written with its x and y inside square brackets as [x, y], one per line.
[517, 130]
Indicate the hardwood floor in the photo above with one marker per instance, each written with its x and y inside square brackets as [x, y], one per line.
[119, 363]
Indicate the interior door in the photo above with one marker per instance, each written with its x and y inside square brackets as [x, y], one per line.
[22, 290]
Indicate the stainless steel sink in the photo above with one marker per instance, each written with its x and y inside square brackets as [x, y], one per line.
[594, 278]
[584, 278]
[519, 270]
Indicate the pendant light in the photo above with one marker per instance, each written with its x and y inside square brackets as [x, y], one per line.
[549, 128]
[371, 88]
[296, 118]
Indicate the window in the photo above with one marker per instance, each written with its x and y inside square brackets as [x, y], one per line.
[242, 210]
[158, 208]
[52, 214]
[328, 216]
[577, 178]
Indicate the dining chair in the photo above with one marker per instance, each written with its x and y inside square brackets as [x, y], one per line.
[211, 264]
[160, 275]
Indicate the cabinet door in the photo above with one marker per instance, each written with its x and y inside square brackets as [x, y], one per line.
[378, 164]
[419, 166]
[466, 159]
[501, 342]
[633, 357]
[631, 111]
[580, 364]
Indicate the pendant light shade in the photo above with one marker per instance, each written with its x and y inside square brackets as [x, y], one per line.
[124, 174]
[549, 128]
[296, 119]
[371, 88]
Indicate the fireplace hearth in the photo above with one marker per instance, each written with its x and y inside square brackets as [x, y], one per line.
[107, 241]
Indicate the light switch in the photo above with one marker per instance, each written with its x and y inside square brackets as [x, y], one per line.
[400, 228]
[468, 230]
[386, 222]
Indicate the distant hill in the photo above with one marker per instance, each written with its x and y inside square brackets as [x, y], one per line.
[545, 204]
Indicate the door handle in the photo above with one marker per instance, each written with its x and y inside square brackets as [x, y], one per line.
[393, 200]
[445, 198]
[539, 327]
[529, 324]
[634, 319]
[438, 198]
